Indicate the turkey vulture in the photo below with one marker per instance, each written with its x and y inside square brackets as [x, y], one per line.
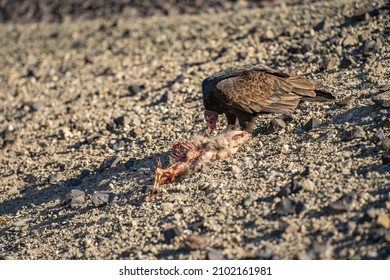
[243, 93]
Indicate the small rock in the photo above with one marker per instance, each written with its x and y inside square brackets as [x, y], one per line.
[101, 197]
[329, 63]
[148, 138]
[325, 135]
[364, 36]
[285, 149]
[135, 132]
[90, 138]
[383, 220]
[343, 204]
[349, 41]
[53, 179]
[386, 144]
[312, 123]
[76, 198]
[214, 254]
[194, 242]
[269, 35]
[382, 99]
[323, 25]
[292, 187]
[346, 62]
[109, 162]
[20, 223]
[308, 185]
[351, 225]
[346, 101]
[378, 136]
[320, 250]
[308, 44]
[291, 228]
[369, 46]
[356, 132]
[288, 206]
[385, 87]
[135, 89]
[170, 232]
[276, 125]
[121, 121]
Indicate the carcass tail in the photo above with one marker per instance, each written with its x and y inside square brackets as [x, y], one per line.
[321, 96]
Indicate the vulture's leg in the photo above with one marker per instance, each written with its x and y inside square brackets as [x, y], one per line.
[247, 122]
[232, 120]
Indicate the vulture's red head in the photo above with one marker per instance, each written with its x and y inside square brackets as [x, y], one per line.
[211, 118]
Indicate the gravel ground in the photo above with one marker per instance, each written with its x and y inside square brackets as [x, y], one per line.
[88, 107]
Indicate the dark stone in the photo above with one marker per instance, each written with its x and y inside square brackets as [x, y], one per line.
[276, 125]
[290, 188]
[369, 46]
[109, 162]
[78, 44]
[135, 89]
[346, 62]
[294, 49]
[386, 144]
[288, 206]
[382, 99]
[343, 204]
[90, 138]
[121, 121]
[325, 135]
[312, 123]
[100, 198]
[110, 126]
[356, 132]
[76, 198]
[378, 136]
[171, 232]
[329, 62]
[74, 182]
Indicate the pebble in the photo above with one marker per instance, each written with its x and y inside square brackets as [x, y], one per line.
[290, 188]
[135, 132]
[288, 206]
[369, 46]
[100, 198]
[330, 62]
[386, 144]
[378, 136]
[135, 89]
[356, 132]
[382, 99]
[121, 121]
[53, 179]
[130, 164]
[346, 62]
[349, 41]
[308, 185]
[109, 162]
[76, 198]
[170, 232]
[312, 123]
[276, 125]
[343, 204]
[285, 149]
[194, 242]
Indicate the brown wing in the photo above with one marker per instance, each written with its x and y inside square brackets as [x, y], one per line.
[255, 91]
